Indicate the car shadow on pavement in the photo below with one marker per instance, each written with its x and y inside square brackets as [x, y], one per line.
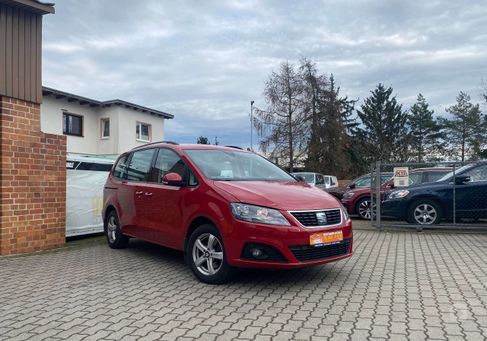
[256, 277]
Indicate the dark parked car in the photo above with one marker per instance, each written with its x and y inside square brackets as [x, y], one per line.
[428, 204]
[357, 200]
[360, 182]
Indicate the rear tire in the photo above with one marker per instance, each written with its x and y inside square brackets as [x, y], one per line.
[206, 256]
[115, 238]
[424, 212]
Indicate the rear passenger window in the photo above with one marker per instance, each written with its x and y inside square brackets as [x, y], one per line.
[140, 165]
[120, 170]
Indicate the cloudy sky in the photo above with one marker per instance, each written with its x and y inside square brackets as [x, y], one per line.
[203, 61]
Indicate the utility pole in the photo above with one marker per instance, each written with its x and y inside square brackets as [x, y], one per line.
[251, 124]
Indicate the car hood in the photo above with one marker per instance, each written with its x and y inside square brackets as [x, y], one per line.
[278, 194]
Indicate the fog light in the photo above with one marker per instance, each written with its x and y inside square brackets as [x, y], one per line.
[258, 253]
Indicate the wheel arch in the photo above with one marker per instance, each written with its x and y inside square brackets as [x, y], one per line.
[110, 208]
[428, 197]
[359, 198]
[195, 223]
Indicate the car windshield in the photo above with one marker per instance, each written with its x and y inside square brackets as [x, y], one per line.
[226, 165]
[457, 171]
[308, 177]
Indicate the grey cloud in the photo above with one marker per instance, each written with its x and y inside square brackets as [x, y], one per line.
[204, 61]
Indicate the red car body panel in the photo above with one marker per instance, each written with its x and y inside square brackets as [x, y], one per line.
[359, 193]
[164, 214]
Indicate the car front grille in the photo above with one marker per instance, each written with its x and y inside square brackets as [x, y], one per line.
[311, 218]
[309, 253]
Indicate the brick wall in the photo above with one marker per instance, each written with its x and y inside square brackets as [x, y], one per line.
[32, 181]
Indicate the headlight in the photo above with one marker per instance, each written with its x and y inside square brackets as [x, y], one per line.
[348, 195]
[398, 194]
[345, 213]
[258, 214]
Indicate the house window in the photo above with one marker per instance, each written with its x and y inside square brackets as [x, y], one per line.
[143, 132]
[72, 124]
[105, 128]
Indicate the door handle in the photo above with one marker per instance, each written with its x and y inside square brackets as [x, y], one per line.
[139, 193]
[148, 194]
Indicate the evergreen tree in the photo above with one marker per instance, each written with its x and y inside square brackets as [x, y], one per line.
[202, 140]
[425, 132]
[330, 121]
[467, 129]
[383, 132]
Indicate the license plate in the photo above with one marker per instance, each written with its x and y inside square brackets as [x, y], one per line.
[326, 238]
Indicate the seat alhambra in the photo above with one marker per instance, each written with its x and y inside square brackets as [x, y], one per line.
[224, 208]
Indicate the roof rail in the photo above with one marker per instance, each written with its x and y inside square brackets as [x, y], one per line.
[234, 147]
[156, 142]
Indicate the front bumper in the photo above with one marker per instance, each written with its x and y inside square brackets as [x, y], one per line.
[395, 208]
[292, 243]
[349, 205]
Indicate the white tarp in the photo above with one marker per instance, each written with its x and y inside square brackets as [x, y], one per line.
[84, 200]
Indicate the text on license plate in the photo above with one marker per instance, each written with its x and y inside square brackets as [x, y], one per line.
[326, 237]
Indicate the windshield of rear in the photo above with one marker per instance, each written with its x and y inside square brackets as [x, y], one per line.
[308, 177]
[226, 165]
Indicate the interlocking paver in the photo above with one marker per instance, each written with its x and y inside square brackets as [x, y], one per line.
[400, 285]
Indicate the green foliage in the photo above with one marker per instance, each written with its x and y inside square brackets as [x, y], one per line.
[426, 137]
[383, 134]
[466, 129]
[202, 140]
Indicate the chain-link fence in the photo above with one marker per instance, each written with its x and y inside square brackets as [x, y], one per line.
[427, 195]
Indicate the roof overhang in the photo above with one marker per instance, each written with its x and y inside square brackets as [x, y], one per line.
[31, 5]
[58, 94]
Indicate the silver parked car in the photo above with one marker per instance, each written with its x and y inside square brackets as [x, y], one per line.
[318, 180]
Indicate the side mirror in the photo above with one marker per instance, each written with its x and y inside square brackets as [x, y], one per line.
[172, 179]
[352, 186]
[390, 186]
[300, 178]
[461, 179]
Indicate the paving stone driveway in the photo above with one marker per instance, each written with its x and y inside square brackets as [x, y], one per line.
[397, 286]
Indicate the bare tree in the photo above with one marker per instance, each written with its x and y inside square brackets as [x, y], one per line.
[283, 126]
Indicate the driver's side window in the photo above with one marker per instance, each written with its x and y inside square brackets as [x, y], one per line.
[167, 162]
[477, 174]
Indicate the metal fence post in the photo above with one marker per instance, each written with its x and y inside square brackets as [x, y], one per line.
[377, 196]
[454, 197]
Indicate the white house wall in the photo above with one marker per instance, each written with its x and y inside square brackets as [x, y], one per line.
[52, 122]
[109, 146]
[127, 122]
[122, 126]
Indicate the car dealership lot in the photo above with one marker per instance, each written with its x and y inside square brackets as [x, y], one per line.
[400, 285]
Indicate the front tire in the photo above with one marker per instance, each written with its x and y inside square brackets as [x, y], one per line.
[364, 208]
[205, 253]
[115, 238]
[424, 212]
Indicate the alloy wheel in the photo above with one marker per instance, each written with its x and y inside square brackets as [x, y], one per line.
[207, 254]
[365, 209]
[425, 214]
[112, 229]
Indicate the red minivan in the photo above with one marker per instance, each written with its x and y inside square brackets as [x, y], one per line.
[224, 207]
